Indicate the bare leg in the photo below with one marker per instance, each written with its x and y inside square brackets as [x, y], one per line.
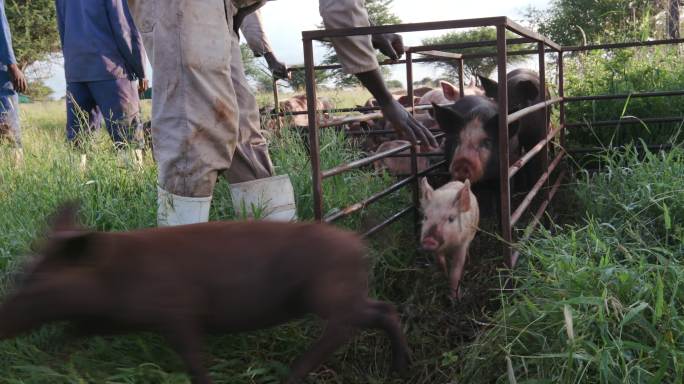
[333, 337]
[441, 259]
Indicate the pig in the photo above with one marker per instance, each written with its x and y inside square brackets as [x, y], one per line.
[299, 104]
[471, 145]
[451, 216]
[524, 90]
[448, 93]
[399, 166]
[187, 280]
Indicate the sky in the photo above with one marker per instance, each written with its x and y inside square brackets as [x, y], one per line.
[284, 20]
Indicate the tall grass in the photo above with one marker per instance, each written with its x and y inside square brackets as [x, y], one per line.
[601, 301]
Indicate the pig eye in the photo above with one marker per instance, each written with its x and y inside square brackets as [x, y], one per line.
[451, 219]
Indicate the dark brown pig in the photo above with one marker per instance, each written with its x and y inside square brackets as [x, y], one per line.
[188, 280]
[524, 90]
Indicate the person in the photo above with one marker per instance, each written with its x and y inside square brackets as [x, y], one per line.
[103, 58]
[12, 80]
[195, 55]
[253, 29]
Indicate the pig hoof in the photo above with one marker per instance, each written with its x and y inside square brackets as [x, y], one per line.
[457, 294]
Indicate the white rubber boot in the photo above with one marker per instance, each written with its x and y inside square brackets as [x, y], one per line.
[270, 199]
[175, 210]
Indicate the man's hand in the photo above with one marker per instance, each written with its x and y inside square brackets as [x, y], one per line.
[143, 85]
[17, 78]
[277, 67]
[390, 44]
[403, 122]
[394, 112]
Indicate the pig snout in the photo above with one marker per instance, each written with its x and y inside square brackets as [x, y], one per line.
[432, 239]
[466, 168]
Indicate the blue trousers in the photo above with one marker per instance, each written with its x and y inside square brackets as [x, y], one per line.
[118, 103]
[9, 119]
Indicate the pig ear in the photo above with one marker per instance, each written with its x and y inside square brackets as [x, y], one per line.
[65, 219]
[426, 189]
[448, 119]
[528, 89]
[463, 197]
[450, 90]
[70, 245]
[490, 86]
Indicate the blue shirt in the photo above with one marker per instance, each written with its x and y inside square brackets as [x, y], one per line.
[6, 53]
[99, 40]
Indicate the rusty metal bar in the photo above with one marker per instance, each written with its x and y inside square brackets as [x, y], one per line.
[538, 186]
[469, 44]
[544, 151]
[513, 117]
[506, 230]
[366, 117]
[461, 76]
[384, 62]
[561, 94]
[314, 142]
[524, 32]
[633, 44]
[634, 95]
[387, 222]
[538, 214]
[629, 120]
[368, 201]
[440, 54]
[409, 81]
[381, 132]
[360, 163]
[411, 27]
[532, 152]
[415, 188]
[276, 101]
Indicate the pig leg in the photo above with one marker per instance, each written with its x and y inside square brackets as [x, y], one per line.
[441, 259]
[335, 334]
[381, 315]
[185, 339]
[458, 264]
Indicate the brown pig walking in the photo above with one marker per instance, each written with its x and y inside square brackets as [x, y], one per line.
[451, 215]
[187, 280]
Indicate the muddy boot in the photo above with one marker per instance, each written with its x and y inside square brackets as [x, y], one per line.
[175, 210]
[270, 199]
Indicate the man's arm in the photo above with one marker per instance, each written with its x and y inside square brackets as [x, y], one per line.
[253, 29]
[7, 53]
[127, 36]
[357, 56]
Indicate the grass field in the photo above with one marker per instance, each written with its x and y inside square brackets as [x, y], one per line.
[598, 300]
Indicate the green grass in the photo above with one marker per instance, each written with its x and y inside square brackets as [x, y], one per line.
[600, 301]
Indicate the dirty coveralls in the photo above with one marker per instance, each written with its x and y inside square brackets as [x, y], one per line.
[9, 100]
[103, 56]
[205, 118]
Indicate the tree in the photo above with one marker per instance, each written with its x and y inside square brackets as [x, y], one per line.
[256, 71]
[574, 22]
[474, 66]
[379, 13]
[298, 82]
[34, 30]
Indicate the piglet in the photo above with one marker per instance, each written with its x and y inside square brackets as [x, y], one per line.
[451, 216]
[187, 280]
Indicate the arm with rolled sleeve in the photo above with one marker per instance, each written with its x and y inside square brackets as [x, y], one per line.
[356, 53]
[127, 36]
[255, 35]
[6, 52]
